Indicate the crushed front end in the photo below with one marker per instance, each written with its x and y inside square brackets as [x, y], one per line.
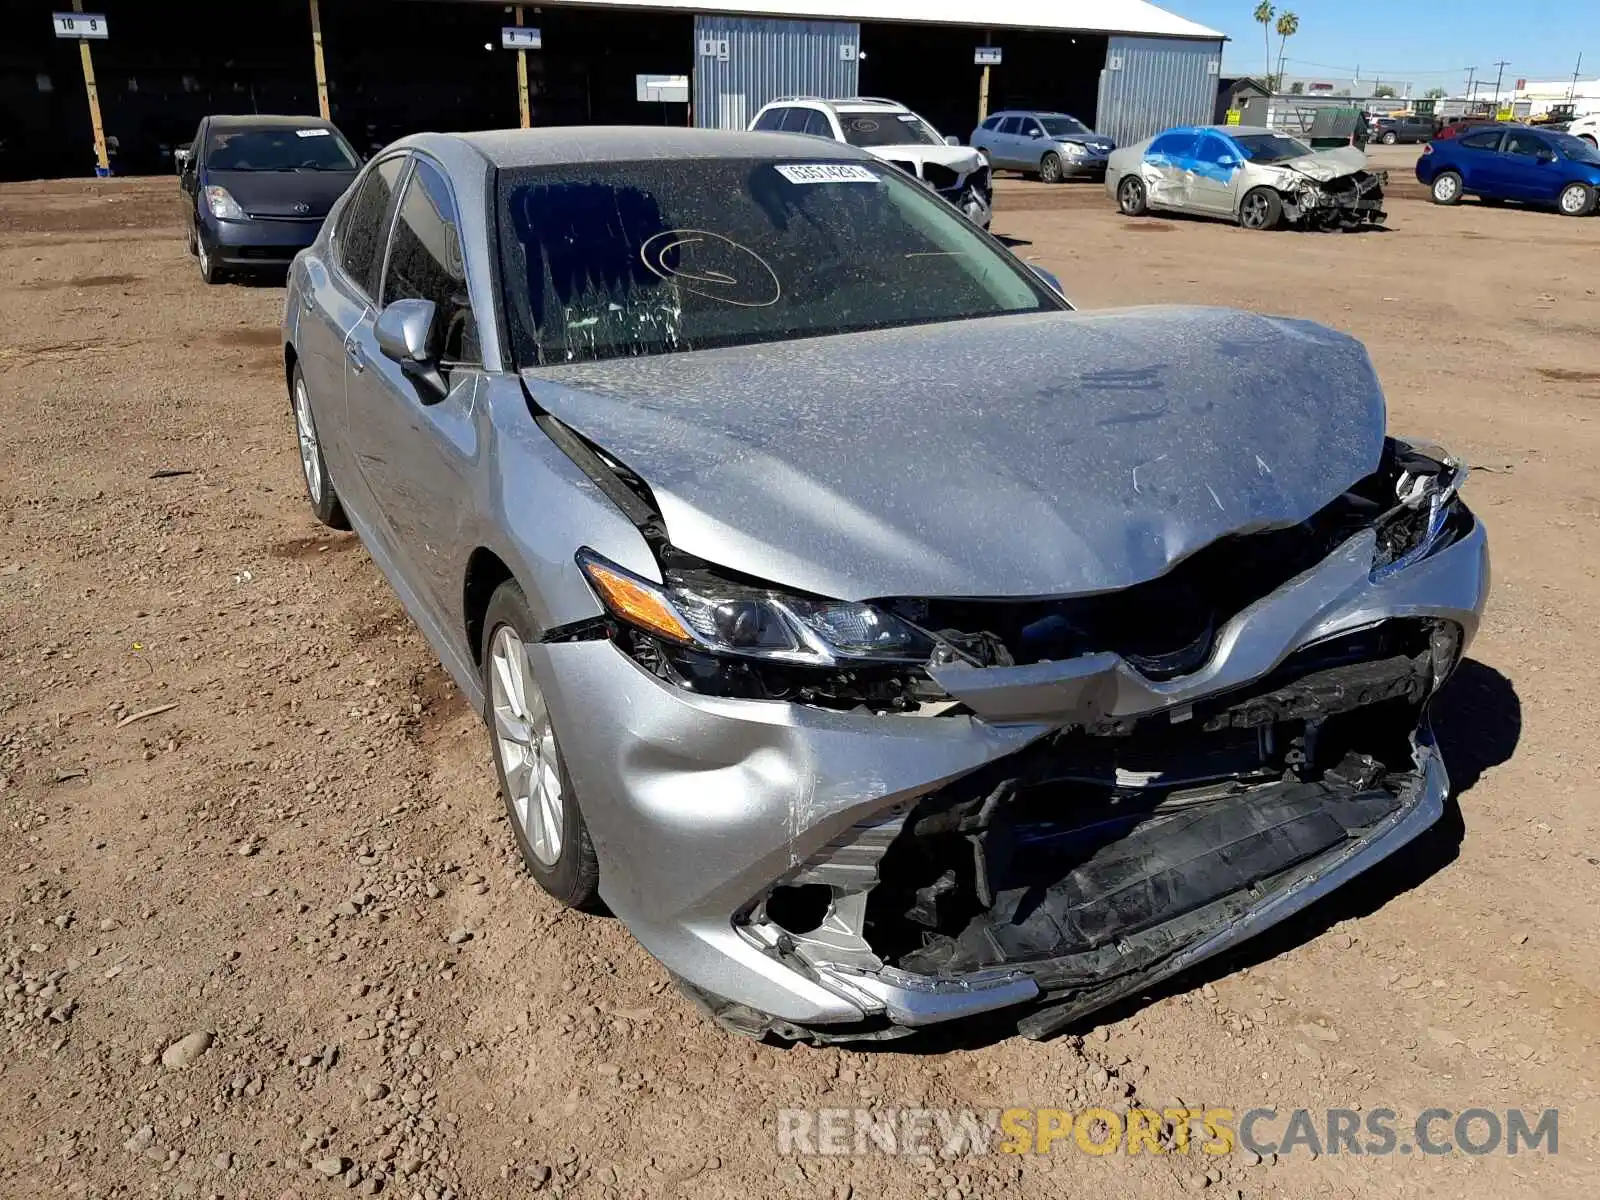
[1190, 779]
[1343, 202]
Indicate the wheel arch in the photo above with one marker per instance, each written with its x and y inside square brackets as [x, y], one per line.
[485, 572]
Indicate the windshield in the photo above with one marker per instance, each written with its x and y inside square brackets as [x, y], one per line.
[1575, 148]
[1064, 126]
[611, 259]
[887, 129]
[1270, 147]
[280, 148]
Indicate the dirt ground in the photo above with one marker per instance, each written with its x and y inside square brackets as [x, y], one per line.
[265, 934]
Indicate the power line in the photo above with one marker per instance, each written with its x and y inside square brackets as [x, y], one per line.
[1389, 73]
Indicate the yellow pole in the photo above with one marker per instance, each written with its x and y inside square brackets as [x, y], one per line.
[983, 96]
[94, 98]
[522, 80]
[316, 54]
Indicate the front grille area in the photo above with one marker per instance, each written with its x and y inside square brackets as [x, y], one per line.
[940, 177]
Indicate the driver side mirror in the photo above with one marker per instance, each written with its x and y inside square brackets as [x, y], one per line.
[1036, 133]
[951, 139]
[1227, 160]
[406, 332]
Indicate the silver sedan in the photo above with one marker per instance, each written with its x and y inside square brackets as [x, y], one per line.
[880, 639]
[1258, 177]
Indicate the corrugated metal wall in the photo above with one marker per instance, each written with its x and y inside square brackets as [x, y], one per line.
[1149, 84]
[740, 63]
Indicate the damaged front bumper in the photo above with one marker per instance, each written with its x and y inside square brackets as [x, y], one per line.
[1344, 202]
[846, 874]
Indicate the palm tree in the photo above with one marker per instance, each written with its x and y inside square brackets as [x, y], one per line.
[1264, 14]
[1288, 26]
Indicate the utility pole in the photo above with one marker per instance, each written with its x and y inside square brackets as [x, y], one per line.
[1500, 71]
[522, 80]
[1471, 71]
[1572, 91]
[93, 89]
[316, 57]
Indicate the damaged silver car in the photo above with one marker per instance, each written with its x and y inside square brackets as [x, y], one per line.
[1260, 178]
[882, 640]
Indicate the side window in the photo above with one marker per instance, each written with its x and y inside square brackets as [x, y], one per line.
[425, 262]
[1483, 139]
[1011, 125]
[360, 233]
[771, 120]
[817, 124]
[991, 124]
[1213, 150]
[1172, 145]
[1528, 145]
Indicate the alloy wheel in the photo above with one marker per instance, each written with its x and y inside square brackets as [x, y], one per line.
[1128, 196]
[1574, 199]
[306, 429]
[1255, 211]
[526, 745]
[1445, 187]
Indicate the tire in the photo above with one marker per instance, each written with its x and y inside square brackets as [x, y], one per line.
[189, 242]
[1131, 199]
[1445, 188]
[1261, 208]
[1576, 200]
[540, 802]
[210, 271]
[1050, 168]
[1389, 138]
[313, 467]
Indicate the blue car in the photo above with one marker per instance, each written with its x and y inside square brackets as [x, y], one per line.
[259, 188]
[1513, 162]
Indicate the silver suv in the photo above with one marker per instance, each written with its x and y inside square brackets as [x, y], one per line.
[889, 130]
[1051, 145]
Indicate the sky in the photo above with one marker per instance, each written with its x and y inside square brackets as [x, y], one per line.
[1428, 44]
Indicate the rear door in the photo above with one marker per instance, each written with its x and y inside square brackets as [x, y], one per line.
[1008, 153]
[1478, 160]
[1168, 163]
[418, 447]
[334, 295]
[983, 138]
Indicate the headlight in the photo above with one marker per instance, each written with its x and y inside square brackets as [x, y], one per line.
[1428, 513]
[699, 609]
[223, 206]
[1072, 149]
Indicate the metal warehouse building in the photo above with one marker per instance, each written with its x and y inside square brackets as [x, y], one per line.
[395, 66]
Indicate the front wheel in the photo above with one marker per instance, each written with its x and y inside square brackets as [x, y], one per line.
[1131, 198]
[1389, 138]
[1260, 209]
[210, 269]
[545, 818]
[1446, 188]
[1050, 168]
[1577, 200]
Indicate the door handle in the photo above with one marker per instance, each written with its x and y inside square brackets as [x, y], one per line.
[358, 359]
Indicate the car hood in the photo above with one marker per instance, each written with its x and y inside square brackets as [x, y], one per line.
[275, 193]
[1090, 141]
[957, 158]
[1042, 454]
[1323, 165]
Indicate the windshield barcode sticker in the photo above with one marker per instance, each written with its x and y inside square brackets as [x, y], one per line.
[311, 133]
[824, 173]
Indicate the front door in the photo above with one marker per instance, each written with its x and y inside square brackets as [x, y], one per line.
[1211, 181]
[420, 446]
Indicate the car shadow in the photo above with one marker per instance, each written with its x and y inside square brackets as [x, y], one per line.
[1477, 719]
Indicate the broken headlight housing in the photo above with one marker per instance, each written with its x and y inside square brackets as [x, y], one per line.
[1427, 514]
[699, 608]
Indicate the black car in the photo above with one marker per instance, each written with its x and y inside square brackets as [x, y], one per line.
[1390, 130]
[260, 188]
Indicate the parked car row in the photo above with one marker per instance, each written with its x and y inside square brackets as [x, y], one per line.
[883, 641]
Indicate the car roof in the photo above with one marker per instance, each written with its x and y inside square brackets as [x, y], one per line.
[1031, 112]
[625, 143]
[1231, 130]
[268, 122]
